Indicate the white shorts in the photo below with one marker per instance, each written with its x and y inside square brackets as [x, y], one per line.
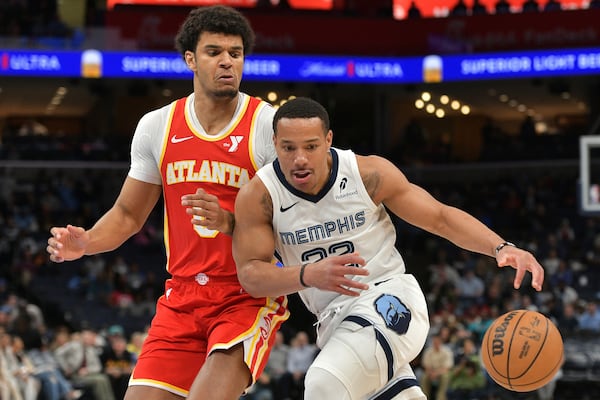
[370, 342]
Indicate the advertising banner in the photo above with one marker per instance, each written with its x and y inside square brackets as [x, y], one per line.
[311, 68]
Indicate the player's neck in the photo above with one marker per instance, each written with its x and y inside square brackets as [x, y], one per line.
[214, 113]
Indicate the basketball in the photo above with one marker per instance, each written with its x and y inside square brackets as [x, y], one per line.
[522, 350]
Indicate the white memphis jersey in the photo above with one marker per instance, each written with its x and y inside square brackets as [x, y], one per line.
[340, 219]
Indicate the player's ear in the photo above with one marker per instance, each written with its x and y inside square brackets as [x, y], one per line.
[190, 60]
[329, 138]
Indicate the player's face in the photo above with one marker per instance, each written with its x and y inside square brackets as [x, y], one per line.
[218, 64]
[303, 151]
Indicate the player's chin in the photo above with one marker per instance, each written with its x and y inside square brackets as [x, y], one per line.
[226, 93]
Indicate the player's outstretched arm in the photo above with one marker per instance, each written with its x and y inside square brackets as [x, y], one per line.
[254, 247]
[125, 218]
[388, 185]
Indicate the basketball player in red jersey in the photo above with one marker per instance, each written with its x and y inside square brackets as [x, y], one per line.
[209, 339]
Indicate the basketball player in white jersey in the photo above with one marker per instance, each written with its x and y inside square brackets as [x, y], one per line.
[321, 210]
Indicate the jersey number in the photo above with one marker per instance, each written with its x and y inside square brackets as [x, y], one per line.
[204, 232]
[336, 249]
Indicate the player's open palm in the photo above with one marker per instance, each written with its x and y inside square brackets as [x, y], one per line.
[67, 243]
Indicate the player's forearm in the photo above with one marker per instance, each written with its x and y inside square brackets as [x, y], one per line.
[262, 279]
[111, 231]
[467, 232]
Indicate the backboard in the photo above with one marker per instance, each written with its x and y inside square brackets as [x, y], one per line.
[589, 164]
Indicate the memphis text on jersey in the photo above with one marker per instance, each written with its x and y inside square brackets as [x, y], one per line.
[324, 230]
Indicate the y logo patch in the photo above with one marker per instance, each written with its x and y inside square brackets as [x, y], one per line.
[235, 143]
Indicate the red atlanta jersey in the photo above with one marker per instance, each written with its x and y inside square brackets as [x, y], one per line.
[171, 148]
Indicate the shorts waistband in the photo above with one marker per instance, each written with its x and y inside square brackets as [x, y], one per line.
[203, 279]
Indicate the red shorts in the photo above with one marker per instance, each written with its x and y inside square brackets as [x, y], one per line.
[192, 320]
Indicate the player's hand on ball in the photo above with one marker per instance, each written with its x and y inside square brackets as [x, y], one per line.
[335, 274]
[522, 261]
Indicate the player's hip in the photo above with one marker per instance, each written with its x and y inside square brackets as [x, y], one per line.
[396, 305]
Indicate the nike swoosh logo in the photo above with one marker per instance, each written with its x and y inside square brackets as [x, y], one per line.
[175, 139]
[284, 209]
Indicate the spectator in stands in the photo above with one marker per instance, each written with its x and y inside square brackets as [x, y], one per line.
[9, 386]
[467, 379]
[413, 11]
[530, 6]
[551, 262]
[552, 5]
[478, 9]
[482, 321]
[442, 281]
[79, 360]
[135, 343]
[564, 293]
[470, 290]
[437, 363]
[502, 7]
[24, 371]
[567, 322]
[460, 9]
[117, 361]
[527, 303]
[277, 364]
[301, 355]
[589, 320]
[261, 390]
[55, 386]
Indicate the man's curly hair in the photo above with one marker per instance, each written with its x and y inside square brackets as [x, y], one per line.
[214, 19]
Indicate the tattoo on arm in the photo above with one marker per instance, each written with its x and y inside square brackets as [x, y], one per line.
[267, 206]
[372, 182]
[232, 221]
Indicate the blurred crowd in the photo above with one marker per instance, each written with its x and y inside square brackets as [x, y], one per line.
[43, 305]
[61, 363]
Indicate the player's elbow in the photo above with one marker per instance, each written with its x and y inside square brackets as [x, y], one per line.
[250, 282]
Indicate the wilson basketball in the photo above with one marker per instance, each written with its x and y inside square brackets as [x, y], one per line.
[522, 350]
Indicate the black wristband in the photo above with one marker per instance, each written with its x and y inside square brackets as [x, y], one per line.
[302, 275]
[503, 245]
